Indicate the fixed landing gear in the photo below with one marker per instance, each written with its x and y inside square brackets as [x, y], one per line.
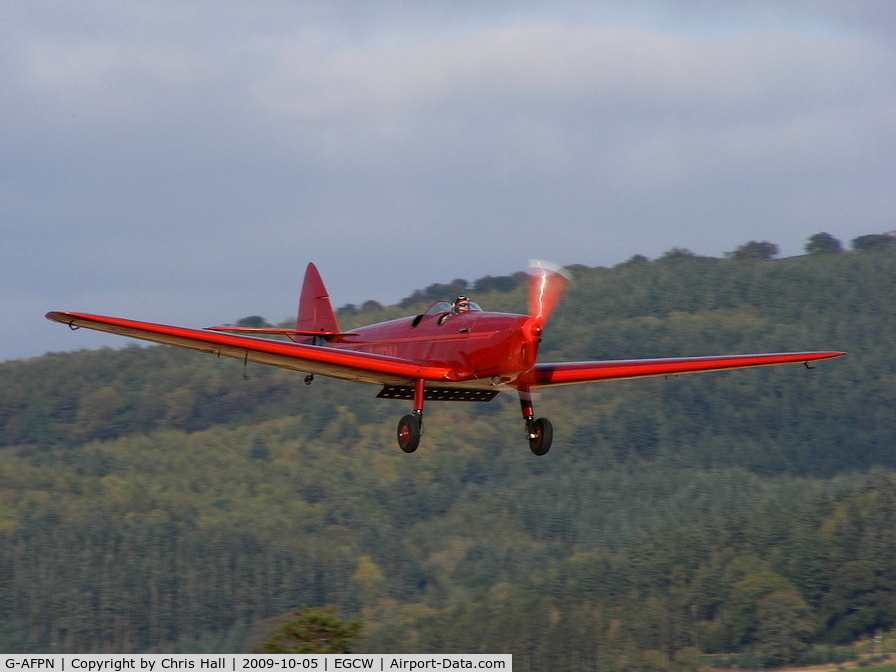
[541, 435]
[540, 431]
[410, 427]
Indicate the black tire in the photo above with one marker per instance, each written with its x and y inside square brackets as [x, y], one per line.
[409, 433]
[543, 432]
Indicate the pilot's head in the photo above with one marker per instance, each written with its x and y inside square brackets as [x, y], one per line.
[462, 304]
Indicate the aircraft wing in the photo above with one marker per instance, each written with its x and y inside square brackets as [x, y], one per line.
[573, 373]
[338, 363]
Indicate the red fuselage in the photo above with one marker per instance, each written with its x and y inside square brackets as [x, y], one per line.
[480, 348]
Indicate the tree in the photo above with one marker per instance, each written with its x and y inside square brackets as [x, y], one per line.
[784, 624]
[875, 242]
[312, 631]
[823, 243]
[503, 283]
[370, 580]
[634, 260]
[754, 251]
[253, 322]
[859, 601]
[744, 601]
[678, 253]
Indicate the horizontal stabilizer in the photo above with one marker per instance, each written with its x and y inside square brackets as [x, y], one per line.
[292, 334]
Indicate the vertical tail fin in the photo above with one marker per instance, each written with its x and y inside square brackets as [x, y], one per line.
[315, 310]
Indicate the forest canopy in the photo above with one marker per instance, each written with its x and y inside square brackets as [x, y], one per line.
[153, 499]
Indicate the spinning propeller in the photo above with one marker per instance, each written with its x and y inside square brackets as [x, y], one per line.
[547, 284]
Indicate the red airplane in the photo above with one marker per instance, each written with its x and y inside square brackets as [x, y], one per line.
[449, 353]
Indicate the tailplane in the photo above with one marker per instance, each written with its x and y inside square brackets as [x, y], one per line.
[316, 322]
[316, 313]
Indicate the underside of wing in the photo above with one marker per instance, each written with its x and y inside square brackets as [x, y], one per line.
[573, 373]
[335, 362]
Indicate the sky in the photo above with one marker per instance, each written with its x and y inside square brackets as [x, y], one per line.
[182, 161]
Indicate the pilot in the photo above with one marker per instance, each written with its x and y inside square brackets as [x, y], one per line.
[461, 305]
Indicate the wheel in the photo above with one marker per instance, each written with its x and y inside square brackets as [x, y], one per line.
[541, 434]
[409, 433]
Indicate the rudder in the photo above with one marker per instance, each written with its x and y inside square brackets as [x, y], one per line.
[315, 310]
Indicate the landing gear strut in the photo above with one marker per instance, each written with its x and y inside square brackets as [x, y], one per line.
[540, 431]
[410, 427]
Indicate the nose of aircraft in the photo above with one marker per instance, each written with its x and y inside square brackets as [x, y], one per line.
[524, 344]
[547, 284]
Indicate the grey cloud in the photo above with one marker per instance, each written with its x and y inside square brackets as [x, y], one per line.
[183, 162]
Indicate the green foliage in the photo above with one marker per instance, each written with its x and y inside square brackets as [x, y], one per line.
[754, 251]
[823, 243]
[875, 242]
[253, 322]
[436, 292]
[152, 499]
[310, 631]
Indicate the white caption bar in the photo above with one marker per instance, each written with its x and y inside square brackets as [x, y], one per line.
[377, 662]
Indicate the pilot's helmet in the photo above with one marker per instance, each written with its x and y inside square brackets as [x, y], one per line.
[462, 303]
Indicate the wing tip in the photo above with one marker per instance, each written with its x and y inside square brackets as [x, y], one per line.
[57, 316]
[829, 354]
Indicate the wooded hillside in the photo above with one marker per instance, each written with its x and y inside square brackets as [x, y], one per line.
[153, 499]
